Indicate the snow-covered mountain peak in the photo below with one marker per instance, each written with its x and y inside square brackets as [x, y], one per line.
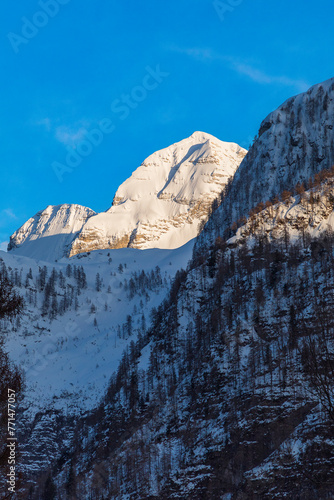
[161, 205]
[48, 234]
[178, 168]
[163, 202]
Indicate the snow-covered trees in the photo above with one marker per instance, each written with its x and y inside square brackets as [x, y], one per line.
[10, 377]
[227, 346]
[98, 282]
[141, 283]
[10, 302]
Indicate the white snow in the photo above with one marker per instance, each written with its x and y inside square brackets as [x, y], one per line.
[160, 206]
[294, 142]
[48, 234]
[68, 361]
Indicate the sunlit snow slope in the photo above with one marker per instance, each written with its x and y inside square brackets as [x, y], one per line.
[49, 234]
[161, 205]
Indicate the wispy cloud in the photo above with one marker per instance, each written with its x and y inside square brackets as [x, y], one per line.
[9, 213]
[70, 136]
[241, 67]
[67, 134]
[264, 78]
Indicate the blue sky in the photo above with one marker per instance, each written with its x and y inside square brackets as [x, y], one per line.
[90, 64]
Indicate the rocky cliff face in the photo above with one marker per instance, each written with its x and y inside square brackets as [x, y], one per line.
[294, 142]
[161, 205]
[164, 201]
[295, 215]
[49, 234]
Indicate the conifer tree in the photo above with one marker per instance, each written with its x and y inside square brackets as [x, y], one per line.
[50, 490]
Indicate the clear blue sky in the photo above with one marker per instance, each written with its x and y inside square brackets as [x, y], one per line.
[60, 80]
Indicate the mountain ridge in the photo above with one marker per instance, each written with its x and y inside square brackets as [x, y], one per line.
[227, 407]
[294, 142]
[161, 205]
[214, 397]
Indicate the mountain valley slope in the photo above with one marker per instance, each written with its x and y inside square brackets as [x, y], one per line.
[229, 406]
[217, 397]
